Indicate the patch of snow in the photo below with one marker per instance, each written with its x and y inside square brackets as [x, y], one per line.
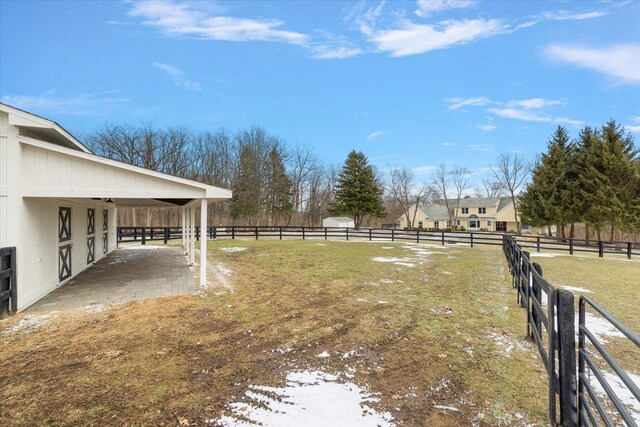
[233, 249]
[282, 350]
[390, 259]
[576, 289]
[446, 408]
[506, 343]
[30, 323]
[361, 300]
[139, 247]
[323, 355]
[448, 273]
[383, 302]
[308, 398]
[620, 389]
[321, 244]
[388, 247]
[600, 327]
[93, 308]
[406, 264]
[544, 255]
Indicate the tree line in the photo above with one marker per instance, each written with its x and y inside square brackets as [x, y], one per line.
[592, 180]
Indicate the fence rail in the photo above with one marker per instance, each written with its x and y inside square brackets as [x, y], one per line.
[587, 396]
[8, 290]
[537, 243]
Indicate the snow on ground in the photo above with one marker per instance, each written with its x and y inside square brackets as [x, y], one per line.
[575, 289]
[506, 343]
[390, 259]
[600, 327]
[308, 398]
[621, 390]
[30, 323]
[544, 255]
[233, 249]
[138, 247]
[406, 264]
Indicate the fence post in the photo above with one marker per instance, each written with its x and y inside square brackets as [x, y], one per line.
[537, 243]
[280, 232]
[628, 250]
[393, 234]
[256, 233]
[215, 232]
[443, 238]
[567, 358]
[370, 234]
[135, 233]
[325, 233]
[303, 237]
[233, 232]
[418, 236]
[166, 235]
[600, 249]
[570, 246]
[347, 233]
[144, 242]
[471, 239]
[537, 292]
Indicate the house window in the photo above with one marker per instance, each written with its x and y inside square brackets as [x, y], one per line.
[489, 224]
[436, 224]
[482, 210]
[474, 224]
[448, 224]
[458, 222]
[465, 210]
[420, 224]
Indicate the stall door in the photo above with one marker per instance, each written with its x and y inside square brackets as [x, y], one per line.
[64, 243]
[91, 235]
[105, 231]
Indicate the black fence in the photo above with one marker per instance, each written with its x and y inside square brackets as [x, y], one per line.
[537, 243]
[8, 290]
[551, 325]
[588, 398]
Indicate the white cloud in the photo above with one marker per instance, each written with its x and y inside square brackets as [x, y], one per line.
[481, 147]
[412, 38]
[488, 127]
[428, 7]
[424, 170]
[100, 103]
[621, 62]
[529, 115]
[189, 20]
[634, 128]
[531, 110]
[179, 77]
[448, 144]
[376, 134]
[568, 15]
[463, 102]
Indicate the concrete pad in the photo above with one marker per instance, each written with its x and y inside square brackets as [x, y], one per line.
[124, 275]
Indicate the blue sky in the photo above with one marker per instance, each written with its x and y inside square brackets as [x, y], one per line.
[413, 83]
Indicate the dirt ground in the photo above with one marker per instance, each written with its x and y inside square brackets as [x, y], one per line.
[433, 332]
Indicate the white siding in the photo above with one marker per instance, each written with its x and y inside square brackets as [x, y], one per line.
[38, 254]
[45, 173]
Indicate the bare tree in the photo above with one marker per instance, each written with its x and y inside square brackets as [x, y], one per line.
[489, 188]
[460, 179]
[511, 170]
[441, 182]
[405, 192]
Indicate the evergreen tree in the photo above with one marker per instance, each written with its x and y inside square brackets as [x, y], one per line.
[358, 192]
[555, 186]
[246, 189]
[278, 195]
[532, 200]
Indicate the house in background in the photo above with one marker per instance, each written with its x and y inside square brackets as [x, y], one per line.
[58, 204]
[338, 221]
[473, 213]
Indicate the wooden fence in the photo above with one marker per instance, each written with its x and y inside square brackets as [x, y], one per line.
[537, 243]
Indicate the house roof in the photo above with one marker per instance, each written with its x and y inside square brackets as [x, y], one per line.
[437, 211]
[79, 173]
[38, 127]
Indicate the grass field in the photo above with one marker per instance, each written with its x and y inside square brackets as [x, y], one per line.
[431, 335]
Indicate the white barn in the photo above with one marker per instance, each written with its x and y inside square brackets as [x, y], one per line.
[338, 221]
[58, 203]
